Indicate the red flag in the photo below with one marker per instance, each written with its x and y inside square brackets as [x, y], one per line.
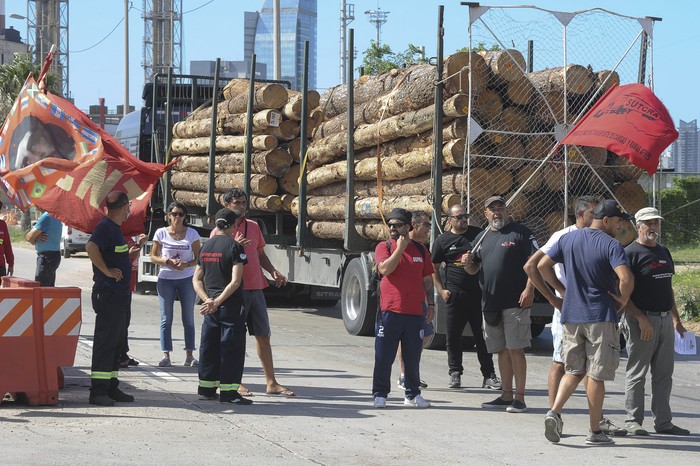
[54, 156]
[630, 121]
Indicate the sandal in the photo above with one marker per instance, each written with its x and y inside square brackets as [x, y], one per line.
[165, 362]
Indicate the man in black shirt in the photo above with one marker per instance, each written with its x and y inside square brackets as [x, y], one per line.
[462, 295]
[218, 281]
[648, 324]
[507, 295]
[111, 300]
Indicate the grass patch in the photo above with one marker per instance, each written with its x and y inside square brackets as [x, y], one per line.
[16, 234]
[686, 285]
[687, 254]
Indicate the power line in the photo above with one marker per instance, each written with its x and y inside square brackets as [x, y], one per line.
[200, 6]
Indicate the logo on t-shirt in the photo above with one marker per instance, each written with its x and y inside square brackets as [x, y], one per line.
[657, 264]
[417, 259]
[508, 244]
[243, 256]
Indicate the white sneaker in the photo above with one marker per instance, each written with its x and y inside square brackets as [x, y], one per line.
[379, 402]
[417, 402]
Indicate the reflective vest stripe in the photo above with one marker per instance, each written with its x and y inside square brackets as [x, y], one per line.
[16, 317]
[208, 383]
[229, 387]
[122, 248]
[61, 315]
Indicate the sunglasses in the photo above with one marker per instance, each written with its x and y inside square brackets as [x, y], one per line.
[425, 224]
[460, 216]
[177, 214]
[396, 225]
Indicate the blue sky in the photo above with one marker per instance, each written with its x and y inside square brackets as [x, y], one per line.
[216, 30]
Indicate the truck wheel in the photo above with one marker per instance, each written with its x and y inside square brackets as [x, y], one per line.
[437, 342]
[66, 251]
[536, 330]
[356, 304]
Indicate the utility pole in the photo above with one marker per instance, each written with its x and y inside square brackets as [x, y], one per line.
[347, 16]
[126, 58]
[276, 45]
[378, 17]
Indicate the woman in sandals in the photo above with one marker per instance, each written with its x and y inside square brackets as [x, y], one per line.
[176, 248]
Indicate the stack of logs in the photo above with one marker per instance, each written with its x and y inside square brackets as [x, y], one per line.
[393, 116]
[275, 154]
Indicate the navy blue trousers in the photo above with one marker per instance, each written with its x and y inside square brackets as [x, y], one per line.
[391, 329]
[222, 350]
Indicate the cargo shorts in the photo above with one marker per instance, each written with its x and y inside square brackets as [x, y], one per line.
[592, 349]
[512, 332]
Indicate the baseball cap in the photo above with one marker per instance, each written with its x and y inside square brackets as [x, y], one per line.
[610, 208]
[225, 218]
[400, 214]
[647, 213]
[493, 199]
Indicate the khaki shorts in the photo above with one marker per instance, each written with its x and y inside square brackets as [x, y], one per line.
[591, 349]
[512, 332]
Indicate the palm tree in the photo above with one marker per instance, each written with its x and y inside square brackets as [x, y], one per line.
[12, 78]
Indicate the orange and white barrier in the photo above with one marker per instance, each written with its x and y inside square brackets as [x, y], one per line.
[39, 329]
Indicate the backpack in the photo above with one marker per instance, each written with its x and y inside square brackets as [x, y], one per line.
[376, 277]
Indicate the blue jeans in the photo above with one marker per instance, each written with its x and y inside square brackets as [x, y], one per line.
[167, 289]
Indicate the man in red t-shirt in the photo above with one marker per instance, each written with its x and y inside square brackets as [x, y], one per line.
[248, 234]
[406, 273]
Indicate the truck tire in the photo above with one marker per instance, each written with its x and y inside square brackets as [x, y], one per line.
[536, 330]
[357, 306]
[437, 342]
[66, 251]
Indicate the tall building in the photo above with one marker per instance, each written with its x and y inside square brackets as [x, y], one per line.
[298, 20]
[227, 69]
[686, 151]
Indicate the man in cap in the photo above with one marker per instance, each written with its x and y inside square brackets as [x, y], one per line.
[462, 295]
[111, 300]
[648, 324]
[593, 260]
[406, 278]
[218, 281]
[507, 295]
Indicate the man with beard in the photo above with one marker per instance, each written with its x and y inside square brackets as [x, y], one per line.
[462, 295]
[406, 274]
[248, 234]
[507, 295]
[593, 260]
[648, 324]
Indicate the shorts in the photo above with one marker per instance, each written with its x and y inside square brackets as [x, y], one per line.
[256, 313]
[512, 332]
[557, 333]
[592, 349]
[428, 328]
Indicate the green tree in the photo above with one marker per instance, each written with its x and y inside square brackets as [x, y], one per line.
[481, 47]
[12, 77]
[680, 207]
[381, 59]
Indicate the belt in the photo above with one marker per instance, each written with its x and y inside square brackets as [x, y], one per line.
[655, 313]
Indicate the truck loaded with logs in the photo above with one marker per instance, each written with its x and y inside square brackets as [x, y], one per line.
[322, 170]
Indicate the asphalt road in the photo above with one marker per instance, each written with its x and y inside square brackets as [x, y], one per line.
[331, 421]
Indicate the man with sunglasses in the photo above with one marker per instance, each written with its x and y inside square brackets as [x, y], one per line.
[406, 279]
[248, 234]
[507, 295]
[111, 300]
[462, 295]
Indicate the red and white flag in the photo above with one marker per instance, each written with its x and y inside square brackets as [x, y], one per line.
[629, 121]
[52, 155]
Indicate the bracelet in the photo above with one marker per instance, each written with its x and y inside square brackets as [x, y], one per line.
[431, 304]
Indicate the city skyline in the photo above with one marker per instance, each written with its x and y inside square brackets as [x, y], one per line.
[214, 29]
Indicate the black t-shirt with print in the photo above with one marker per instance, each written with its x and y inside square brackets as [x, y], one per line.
[449, 248]
[653, 271]
[217, 257]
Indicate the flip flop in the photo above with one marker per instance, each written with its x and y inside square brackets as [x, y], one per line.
[282, 391]
[244, 392]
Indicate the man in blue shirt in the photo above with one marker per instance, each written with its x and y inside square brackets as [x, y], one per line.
[593, 260]
[46, 238]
